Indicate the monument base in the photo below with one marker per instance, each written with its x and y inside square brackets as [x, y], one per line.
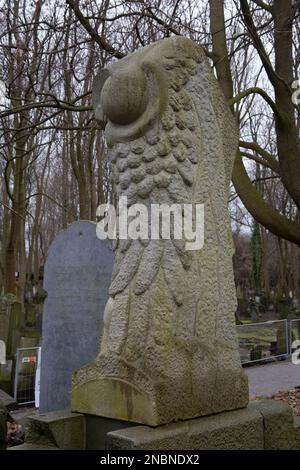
[263, 425]
[158, 402]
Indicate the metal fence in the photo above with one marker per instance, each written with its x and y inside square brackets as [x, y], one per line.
[264, 341]
[25, 375]
[294, 333]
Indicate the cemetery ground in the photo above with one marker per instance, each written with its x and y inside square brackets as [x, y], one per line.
[292, 398]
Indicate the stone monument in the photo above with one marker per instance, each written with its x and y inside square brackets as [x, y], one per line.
[77, 276]
[169, 350]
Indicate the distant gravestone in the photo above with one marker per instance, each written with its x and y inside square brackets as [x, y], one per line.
[28, 341]
[6, 376]
[77, 276]
[16, 321]
[4, 327]
[11, 322]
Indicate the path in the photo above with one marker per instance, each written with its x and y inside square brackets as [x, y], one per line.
[268, 379]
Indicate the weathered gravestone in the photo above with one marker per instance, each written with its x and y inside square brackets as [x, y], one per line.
[77, 276]
[4, 327]
[29, 341]
[16, 323]
[11, 323]
[169, 350]
[6, 376]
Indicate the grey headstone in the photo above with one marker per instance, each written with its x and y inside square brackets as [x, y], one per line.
[4, 327]
[77, 276]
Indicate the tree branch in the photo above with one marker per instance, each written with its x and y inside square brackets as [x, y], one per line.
[273, 77]
[265, 6]
[272, 162]
[256, 159]
[73, 4]
[46, 104]
[263, 94]
[259, 209]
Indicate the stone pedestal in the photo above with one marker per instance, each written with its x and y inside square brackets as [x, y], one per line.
[263, 425]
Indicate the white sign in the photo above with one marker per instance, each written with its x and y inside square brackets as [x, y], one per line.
[296, 353]
[29, 360]
[37, 379]
[2, 353]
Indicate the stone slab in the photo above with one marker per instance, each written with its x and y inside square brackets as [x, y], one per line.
[61, 429]
[7, 401]
[279, 430]
[77, 276]
[234, 430]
